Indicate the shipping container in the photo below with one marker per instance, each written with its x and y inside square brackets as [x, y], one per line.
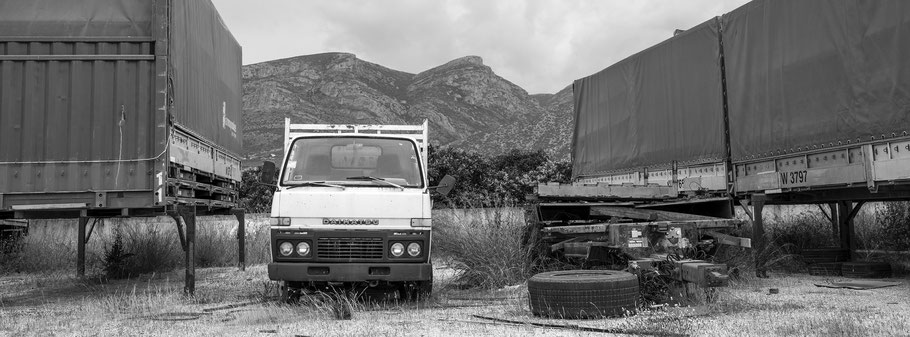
[117, 107]
[819, 94]
[656, 117]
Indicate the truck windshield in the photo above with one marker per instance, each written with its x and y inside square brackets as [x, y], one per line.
[353, 161]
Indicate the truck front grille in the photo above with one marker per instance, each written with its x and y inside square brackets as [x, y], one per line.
[350, 248]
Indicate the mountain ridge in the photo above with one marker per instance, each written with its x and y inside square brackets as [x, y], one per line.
[465, 102]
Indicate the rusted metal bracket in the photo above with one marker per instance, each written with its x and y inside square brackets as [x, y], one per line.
[88, 235]
[180, 233]
[745, 206]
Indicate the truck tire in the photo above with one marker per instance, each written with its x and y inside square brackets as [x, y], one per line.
[289, 292]
[583, 294]
[866, 269]
[418, 291]
[825, 255]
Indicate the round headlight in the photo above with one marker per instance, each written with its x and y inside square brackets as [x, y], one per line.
[303, 248]
[397, 249]
[286, 248]
[414, 249]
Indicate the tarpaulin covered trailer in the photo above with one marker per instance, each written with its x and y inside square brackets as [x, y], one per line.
[655, 117]
[819, 94]
[117, 106]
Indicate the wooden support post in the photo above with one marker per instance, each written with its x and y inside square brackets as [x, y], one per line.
[80, 247]
[241, 238]
[845, 214]
[758, 235]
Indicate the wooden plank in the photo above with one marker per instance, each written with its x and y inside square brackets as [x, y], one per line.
[646, 214]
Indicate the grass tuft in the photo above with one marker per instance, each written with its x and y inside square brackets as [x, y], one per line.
[483, 245]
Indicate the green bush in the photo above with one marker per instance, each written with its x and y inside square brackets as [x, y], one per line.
[489, 181]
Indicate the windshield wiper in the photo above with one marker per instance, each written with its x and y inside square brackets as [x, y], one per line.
[314, 183]
[369, 178]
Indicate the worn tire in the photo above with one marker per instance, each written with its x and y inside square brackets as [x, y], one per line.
[419, 291]
[866, 269]
[289, 292]
[825, 255]
[826, 269]
[583, 294]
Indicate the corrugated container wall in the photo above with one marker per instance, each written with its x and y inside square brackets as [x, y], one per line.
[661, 105]
[87, 89]
[812, 74]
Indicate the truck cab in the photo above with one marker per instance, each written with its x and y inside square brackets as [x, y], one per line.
[352, 208]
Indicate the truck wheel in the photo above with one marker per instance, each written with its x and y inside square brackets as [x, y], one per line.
[583, 294]
[419, 291]
[289, 292]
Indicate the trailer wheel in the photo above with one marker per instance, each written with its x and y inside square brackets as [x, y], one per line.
[583, 294]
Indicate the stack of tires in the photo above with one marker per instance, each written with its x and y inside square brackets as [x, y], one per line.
[825, 261]
[583, 294]
[866, 269]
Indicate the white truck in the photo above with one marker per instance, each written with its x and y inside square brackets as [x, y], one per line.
[352, 208]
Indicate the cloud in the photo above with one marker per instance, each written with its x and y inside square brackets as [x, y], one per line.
[541, 45]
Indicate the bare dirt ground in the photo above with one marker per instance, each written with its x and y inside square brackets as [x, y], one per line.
[232, 302]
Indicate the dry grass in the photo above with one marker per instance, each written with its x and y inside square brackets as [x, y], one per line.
[483, 245]
[152, 243]
[231, 302]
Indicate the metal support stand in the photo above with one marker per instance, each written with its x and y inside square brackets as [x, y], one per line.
[241, 237]
[188, 240]
[832, 216]
[758, 235]
[80, 247]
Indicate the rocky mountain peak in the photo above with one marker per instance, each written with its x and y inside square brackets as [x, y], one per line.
[464, 101]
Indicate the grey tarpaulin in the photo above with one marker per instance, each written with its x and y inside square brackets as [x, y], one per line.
[205, 68]
[811, 73]
[87, 18]
[661, 105]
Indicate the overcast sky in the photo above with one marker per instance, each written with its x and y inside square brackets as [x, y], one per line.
[540, 45]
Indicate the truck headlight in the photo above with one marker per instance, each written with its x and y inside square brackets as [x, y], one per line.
[414, 249]
[286, 248]
[415, 222]
[397, 249]
[303, 248]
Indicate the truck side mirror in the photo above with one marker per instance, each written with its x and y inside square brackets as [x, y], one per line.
[445, 185]
[267, 173]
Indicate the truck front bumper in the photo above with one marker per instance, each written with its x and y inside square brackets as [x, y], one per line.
[349, 272]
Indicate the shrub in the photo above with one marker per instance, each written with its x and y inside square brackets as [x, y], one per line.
[488, 181]
[483, 245]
